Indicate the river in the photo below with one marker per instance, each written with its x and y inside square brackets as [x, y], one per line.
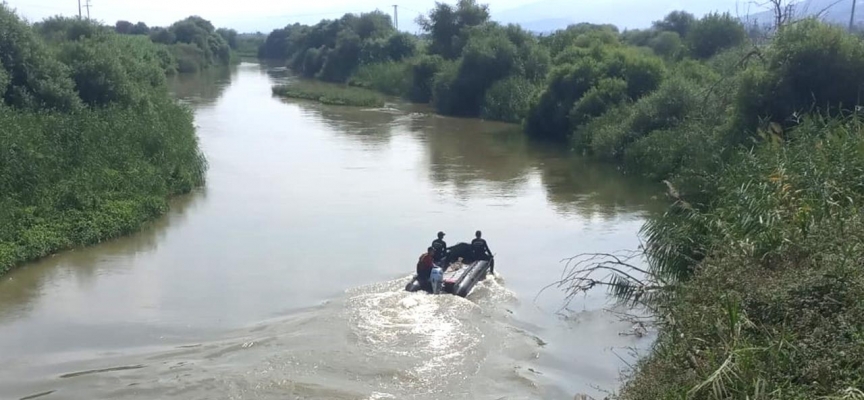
[283, 277]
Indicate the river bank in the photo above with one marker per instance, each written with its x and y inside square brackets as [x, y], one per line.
[92, 145]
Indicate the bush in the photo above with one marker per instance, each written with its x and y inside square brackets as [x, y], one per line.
[714, 33]
[343, 60]
[35, 79]
[423, 71]
[667, 45]
[812, 67]
[674, 103]
[508, 100]
[485, 60]
[393, 78]
[189, 58]
[557, 112]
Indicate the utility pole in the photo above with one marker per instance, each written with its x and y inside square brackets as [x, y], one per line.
[79, 9]
[396, 16]
[852, 18]
[87, 4]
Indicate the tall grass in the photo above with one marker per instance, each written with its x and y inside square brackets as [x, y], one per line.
[781, 247]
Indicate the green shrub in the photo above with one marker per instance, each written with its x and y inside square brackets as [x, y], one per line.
[393, 78]
[189, 58]
[35, 79]
[673, 104]
[557, 112]
[508, 100]
[715, 33]
[811, 67]
[423, 71]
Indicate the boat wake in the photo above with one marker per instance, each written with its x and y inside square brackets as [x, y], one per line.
[376, 342]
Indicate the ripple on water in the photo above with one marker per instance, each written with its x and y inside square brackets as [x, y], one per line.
[377, 342]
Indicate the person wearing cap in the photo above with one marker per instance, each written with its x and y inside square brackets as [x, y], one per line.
[440, 247]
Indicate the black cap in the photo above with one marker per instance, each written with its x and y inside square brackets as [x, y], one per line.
[440, 234]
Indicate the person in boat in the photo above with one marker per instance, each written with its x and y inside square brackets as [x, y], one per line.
[440, 247]
[481, 250]
[424, 269]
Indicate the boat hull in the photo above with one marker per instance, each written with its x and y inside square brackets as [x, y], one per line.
[458, 281]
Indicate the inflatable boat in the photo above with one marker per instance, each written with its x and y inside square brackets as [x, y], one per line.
[459, 278]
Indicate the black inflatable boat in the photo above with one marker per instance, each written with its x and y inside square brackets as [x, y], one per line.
[459, 278]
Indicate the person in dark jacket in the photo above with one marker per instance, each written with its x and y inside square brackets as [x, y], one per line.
[424, 269]
[481, 250]
[440, 247]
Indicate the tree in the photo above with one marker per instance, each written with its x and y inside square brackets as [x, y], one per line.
[140, 29]
[713, 33]
[448, 26]
[162, 35]
[667, 45]
[680, 22]
[811, 67]
[123, 27]
[400, 46]
[374, 25]
[343, 60]
[33, 78]
[229, 35]
[585, 33]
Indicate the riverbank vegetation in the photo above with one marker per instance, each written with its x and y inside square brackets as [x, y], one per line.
[331, 94]
[91, 143]
[754, 273]
[194, 44]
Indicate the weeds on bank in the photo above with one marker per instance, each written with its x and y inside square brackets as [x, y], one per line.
[331, 94]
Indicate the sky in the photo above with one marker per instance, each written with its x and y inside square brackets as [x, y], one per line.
[265, 15]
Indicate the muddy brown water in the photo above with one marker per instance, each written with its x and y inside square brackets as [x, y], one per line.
[283, 277]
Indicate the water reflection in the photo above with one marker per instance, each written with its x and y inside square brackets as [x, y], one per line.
[577, 185]
[372, 128]
[20, 288]
[203, 88]
[476, 158]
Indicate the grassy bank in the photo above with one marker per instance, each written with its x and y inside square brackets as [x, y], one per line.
[331, 94]
[91, 145]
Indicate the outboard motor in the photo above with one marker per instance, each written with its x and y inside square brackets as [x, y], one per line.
[436, 278]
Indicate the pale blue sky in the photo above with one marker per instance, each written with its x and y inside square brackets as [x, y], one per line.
[264, 15]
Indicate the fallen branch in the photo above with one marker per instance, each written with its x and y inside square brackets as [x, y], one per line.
[616, 272]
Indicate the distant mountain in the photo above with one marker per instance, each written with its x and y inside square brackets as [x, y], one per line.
[830, 11]
[546, 25]
[549, 15]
